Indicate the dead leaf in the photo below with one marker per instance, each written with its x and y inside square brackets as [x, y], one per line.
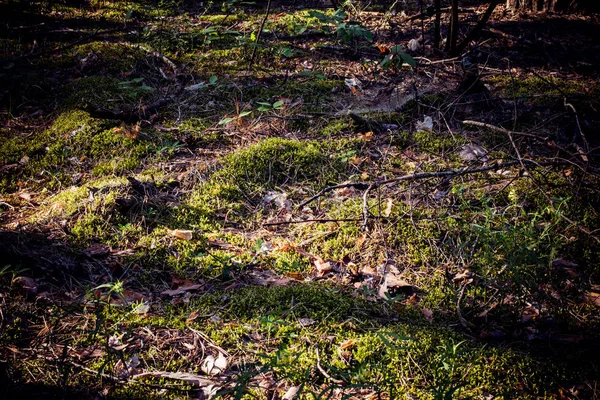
[321, 265]
[393, 285]
[360, 240]
[29, 285]
[345, 192]
[127, 368]
[182, 290]
[304, 322]
[388, 208]
[214, 366]
[25, 196]
[224, 245]
[428, 314]
[529, 313]
[426, 125]
[291, 393]
[97, 250]
[347, 344]
[473, 152]
[592, 298]
[182, 234]
[466, 274]
[268, 278]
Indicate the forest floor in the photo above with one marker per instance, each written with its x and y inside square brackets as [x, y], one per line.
[182, 218]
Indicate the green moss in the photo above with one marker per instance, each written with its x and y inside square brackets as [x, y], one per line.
[436, 142]
[277, 161]
[535, 85]
[337, 126]
[96, 90]
[108, 58]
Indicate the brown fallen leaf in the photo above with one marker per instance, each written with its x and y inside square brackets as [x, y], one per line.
[393, 285]
[428, 314]
[346, 344]
[183, 234]
[182, 290]
[304, 322]
[29, 285]
[322, 265]
[25, 196]
[291, 393]
[268, 278]
[592, 298]
[466, 274]
[97, 250]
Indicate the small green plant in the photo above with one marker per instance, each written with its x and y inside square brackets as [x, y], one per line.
[135, 88]
[396, 59]
[446, 381]
[265, 107]
[313, 74]
[289, 52]
[9, 269]
[348, 30]
[348, 156]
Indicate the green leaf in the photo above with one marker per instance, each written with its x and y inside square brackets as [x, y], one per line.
[385, 63]
[225, 121]
[244, 114]
[212, 80]
[320, 16]
[408, 59]
[278, 104]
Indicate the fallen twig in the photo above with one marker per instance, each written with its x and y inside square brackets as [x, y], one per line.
[260, 30]
[324, 220]
[325, 374]
[366, 206]
[357, 185]
[501, 129]
[461, 318]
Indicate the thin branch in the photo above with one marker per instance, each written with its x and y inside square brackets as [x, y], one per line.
[501, 129]
[476, 32]
[366, 206]
[260, 30]
[325, 374]
[357, 185]
[318, 220]
[461, 318]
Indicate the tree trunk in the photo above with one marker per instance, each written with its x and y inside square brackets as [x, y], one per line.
[476, 32]
[453, 33]
[437, 37]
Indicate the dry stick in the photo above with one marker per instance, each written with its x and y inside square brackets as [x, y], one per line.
[325, 374]
[357, 185]
[461, 318]
[501, 130]
[585, 142]
[262, 25]
[304, 221]
[366, 206]
[412, 177]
